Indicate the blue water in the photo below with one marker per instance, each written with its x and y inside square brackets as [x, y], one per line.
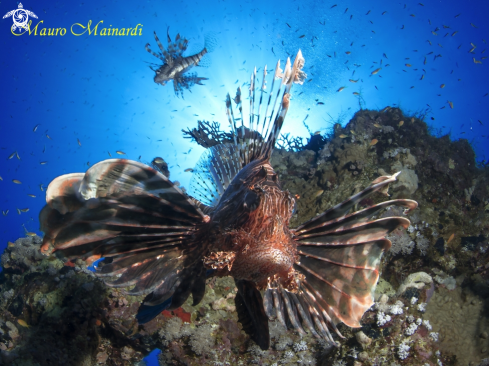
[100, 89]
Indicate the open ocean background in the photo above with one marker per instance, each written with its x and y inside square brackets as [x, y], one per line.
[100, 90]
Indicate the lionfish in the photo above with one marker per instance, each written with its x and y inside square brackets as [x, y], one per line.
[166, 243]
[175, 65]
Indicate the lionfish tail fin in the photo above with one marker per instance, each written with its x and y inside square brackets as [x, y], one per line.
[339, 259]
[137, 220]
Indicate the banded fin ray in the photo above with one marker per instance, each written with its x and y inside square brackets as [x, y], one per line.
[135, 218]
[339, 260]
[251, 142]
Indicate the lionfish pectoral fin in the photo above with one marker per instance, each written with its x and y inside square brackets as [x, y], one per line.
[251, 313]
[339, 259]
[135, 218]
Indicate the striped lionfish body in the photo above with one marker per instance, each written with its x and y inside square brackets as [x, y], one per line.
[234, 222]
[175, 65]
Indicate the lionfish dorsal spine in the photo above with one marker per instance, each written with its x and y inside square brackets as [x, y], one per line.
[250, 141]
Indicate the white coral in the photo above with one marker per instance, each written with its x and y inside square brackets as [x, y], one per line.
[403, 351]
[411, 329]
[382, 318]
[300, 346]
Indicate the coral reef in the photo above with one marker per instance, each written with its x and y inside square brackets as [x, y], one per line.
[431, 300]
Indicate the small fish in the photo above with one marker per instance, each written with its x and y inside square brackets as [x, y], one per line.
[472, 24]
[188, 170]
[408, 65]
[434, 33]
[16, 181]
[159, 160]
[17, 154]
[35, 128]
[31, 195]
[353, 81]
[23, 323]
[18, 211]
[334, 6]
[348, 52]
[442, 86]
[401, 123]
[5, 213]
[10, 244]
[450, 238]
[341, 89]
[49, 137]
[41, 187]
[120, 152]
[31, 233]
[108, 152]
[1, 178]
[288, 25]
[318, 193]
[454, 33]
[476, 61]
[377, 125]
[451, 104]
[356, 93]
[43, 162]
[375, 71]
[342, 136]
[456, 16]
[79, 143]
[319, 132]
[24, 210]
[11, 155]
[320, 103]
[373, 142]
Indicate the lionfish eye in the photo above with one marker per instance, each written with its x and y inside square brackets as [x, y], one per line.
[251, 200]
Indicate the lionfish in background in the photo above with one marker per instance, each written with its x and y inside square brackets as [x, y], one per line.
[175, 65]
[166, 243]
